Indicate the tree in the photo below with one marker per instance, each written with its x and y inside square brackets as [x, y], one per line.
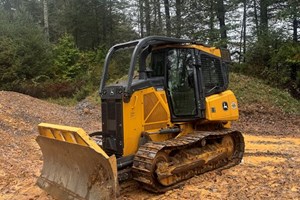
[46, 22]
[147, 18]
[141, 17]
[178, 6]
[263, 27]
[221, 16]
[168, 18]
[25, 52]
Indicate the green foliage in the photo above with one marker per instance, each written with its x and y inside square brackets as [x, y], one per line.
[77, 66]
[260, 52]
[82, 30]
[25, 52]
[66, 56]
[255, 91]
[7, 65]
[273, 58]
[119, 64]
[287, 54]
[92, 61]
[92, 23]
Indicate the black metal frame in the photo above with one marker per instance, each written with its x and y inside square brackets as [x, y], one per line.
[199, 100]
[138, 46]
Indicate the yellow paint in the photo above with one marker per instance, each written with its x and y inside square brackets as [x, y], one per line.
[148, 111]
[80, 137]
[214, 107]
[186, 128]
[69, 134]
[210, 50]
[135, 119]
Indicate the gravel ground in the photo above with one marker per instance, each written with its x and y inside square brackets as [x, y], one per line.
[270, 169]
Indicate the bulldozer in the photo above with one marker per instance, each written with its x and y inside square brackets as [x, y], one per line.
[167, 122]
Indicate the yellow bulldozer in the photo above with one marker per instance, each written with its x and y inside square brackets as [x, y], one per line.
[168, 121]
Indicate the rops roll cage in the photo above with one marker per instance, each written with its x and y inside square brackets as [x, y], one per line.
[139, 46]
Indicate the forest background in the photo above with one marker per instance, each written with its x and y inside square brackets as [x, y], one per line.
[56, 48]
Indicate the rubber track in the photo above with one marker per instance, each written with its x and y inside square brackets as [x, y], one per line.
[142, 169]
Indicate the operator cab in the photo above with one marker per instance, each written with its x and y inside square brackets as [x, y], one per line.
[186, 70]
[189, 76]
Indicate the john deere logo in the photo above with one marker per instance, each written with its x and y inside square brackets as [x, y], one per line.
[225, 105]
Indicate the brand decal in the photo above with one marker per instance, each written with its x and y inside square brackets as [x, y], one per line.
[225, 105]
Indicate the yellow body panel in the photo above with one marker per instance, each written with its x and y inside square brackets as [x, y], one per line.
[215, 107]
[69, 134]
[210, 50]
[147, 110]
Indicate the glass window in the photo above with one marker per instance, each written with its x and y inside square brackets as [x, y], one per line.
[181, 81]
[158, 63]
[212, 74]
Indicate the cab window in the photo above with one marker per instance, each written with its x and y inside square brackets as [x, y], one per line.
[157, 64]
[212, 74]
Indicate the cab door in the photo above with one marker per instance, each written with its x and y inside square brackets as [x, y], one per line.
[181, 83]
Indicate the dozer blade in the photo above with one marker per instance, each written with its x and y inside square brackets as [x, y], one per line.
[75, 167]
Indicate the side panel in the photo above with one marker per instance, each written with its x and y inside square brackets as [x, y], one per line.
[222, 107]
[148, 111]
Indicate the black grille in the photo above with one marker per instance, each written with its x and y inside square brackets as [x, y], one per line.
[112, 126]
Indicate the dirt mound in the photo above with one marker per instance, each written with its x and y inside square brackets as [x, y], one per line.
[270, 168]
[265, 120]
[20, 156]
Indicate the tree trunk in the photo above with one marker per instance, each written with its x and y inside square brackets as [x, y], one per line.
[256, 18]
[294, 66]
[159, 17]
[221, 16]
[96, 24]
[245, 29]
[155, 29]
[147, 20]
[168, 19]
[141, 3]
[211, 23]
[263, 18]
[295, 33]
[104, 21]
[46, 17]
[110, 23]
[178, 18]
